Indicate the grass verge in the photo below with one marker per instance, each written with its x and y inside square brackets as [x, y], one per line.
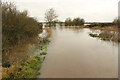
[27, 69]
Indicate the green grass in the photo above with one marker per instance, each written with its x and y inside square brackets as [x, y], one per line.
[43, 53]
[43, 58]
[93, 35]
[29, 69]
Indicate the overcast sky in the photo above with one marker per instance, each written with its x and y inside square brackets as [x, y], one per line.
[90, 10]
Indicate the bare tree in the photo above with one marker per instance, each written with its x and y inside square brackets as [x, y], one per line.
[50, 16]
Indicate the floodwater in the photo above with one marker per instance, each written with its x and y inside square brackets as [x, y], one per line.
[72, 53]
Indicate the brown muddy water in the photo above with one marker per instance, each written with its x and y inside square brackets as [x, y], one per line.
[74, 54]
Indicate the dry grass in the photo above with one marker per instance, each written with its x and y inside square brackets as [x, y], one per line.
[19, 52]
[111, 28]
[108, 28]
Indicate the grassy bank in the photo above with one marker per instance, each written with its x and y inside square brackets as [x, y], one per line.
[29, 68]
[19, 32]
[19, 37]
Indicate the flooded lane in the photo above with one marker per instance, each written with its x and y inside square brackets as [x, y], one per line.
[74, 54]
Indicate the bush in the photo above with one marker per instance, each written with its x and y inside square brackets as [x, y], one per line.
[75, 22]
[68, 22]
[78, 22]
[17, 27]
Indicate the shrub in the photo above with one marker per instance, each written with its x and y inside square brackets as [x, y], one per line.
[68, 22]
[17, 26]
[78, 22]
[75, 22]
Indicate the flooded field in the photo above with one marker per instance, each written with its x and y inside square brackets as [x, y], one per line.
[72, 53]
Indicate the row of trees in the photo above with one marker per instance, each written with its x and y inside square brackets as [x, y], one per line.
[75, 22]
[17, 26]
[51, 19]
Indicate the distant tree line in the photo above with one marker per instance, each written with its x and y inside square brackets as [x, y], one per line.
[17, 26]
[100, 24]
[103, 24]
[75, 22]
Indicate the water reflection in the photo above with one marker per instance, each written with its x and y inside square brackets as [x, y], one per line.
[74, 54]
